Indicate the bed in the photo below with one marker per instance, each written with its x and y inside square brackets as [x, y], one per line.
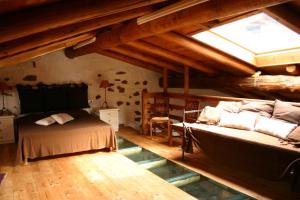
[86, 132]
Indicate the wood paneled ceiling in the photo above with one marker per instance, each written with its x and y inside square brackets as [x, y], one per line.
[34, 28]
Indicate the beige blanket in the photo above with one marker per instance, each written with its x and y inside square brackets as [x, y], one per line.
[84, 133]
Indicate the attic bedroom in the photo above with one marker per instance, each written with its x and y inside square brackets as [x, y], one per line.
[149, 99]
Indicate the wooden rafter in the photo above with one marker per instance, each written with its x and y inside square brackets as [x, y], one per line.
[211, 10]
[130, 60]
[175, 7]
[28, 55]
[207, 51]
[46, 37]
[147, 58]
[62, 14]
[8, 5]
[161, 52]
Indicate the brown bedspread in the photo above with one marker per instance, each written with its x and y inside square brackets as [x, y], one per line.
[84, 133]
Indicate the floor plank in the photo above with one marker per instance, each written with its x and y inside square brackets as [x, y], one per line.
[245, 182]
[109, 175]
[98, 175]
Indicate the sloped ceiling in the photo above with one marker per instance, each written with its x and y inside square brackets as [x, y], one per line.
[29, 30]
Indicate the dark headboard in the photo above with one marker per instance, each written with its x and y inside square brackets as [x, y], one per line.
[44, 98]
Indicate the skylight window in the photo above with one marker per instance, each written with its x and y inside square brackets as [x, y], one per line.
[259, 33]
[259, 40]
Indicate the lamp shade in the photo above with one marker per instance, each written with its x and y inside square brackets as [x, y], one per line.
[4, 86]
[104, 84]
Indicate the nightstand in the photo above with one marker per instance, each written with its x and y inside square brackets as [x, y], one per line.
[110, 116]
[7, 129]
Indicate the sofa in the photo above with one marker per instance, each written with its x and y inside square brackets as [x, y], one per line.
[258, 136]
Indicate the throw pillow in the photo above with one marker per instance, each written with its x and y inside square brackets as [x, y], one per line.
[229, 106]
[287, 112]
[62, 118]
[45, 121]
[295, 134]
[274, 127]
[243, 120]
[262, 108]
[209, 115]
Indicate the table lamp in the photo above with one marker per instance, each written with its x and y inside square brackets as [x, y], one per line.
[3, 88]
[104, 84]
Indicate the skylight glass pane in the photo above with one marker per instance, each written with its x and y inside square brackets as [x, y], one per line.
[260, 34]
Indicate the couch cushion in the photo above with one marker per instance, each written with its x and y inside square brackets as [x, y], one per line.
[209, 115]
[262, 108]
[229, 106]
[274, 127]
[243, 120]
[295, 134]
[287, 112]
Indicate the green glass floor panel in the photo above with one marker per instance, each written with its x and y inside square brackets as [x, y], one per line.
[123, 143]
[189, 181]
[144, 155]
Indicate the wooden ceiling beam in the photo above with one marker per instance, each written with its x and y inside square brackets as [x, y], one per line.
[207, 51]
[147, 58]
[9, 5]
[161, 52]
[28, 55]
[208, 11]
[46, 37]
[62, 14]
[268, 83]
[130, 60]
[172, 8]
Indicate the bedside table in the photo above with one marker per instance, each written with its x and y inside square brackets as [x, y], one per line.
[110, 116]
[7, 129]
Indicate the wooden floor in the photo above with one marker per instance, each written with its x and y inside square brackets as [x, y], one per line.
[109, 175]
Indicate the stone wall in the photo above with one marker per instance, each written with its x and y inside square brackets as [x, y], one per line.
[127, 81]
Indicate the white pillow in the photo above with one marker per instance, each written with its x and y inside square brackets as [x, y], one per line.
[210, 115]
[45, 121]
[62, 118]
[274, 127]
[229, 106]
[243, 120]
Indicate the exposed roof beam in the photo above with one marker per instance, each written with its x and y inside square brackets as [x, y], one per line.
[130, 60]
[9, 5]
[285, 15]
[161, 52]
[209, 52]
[62, 14]
[282, 70]
[46, 37]
[145, 57]
[28, 55]
[211, 10]
[175, 7]
[268, 83]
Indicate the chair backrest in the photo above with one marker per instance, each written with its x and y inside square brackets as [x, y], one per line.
[161, 107]
[191, 105]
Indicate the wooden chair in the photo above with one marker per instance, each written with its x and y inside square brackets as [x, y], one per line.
[160, 114]
[189, 117]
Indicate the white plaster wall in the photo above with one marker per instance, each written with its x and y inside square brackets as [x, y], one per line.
[56, 68]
